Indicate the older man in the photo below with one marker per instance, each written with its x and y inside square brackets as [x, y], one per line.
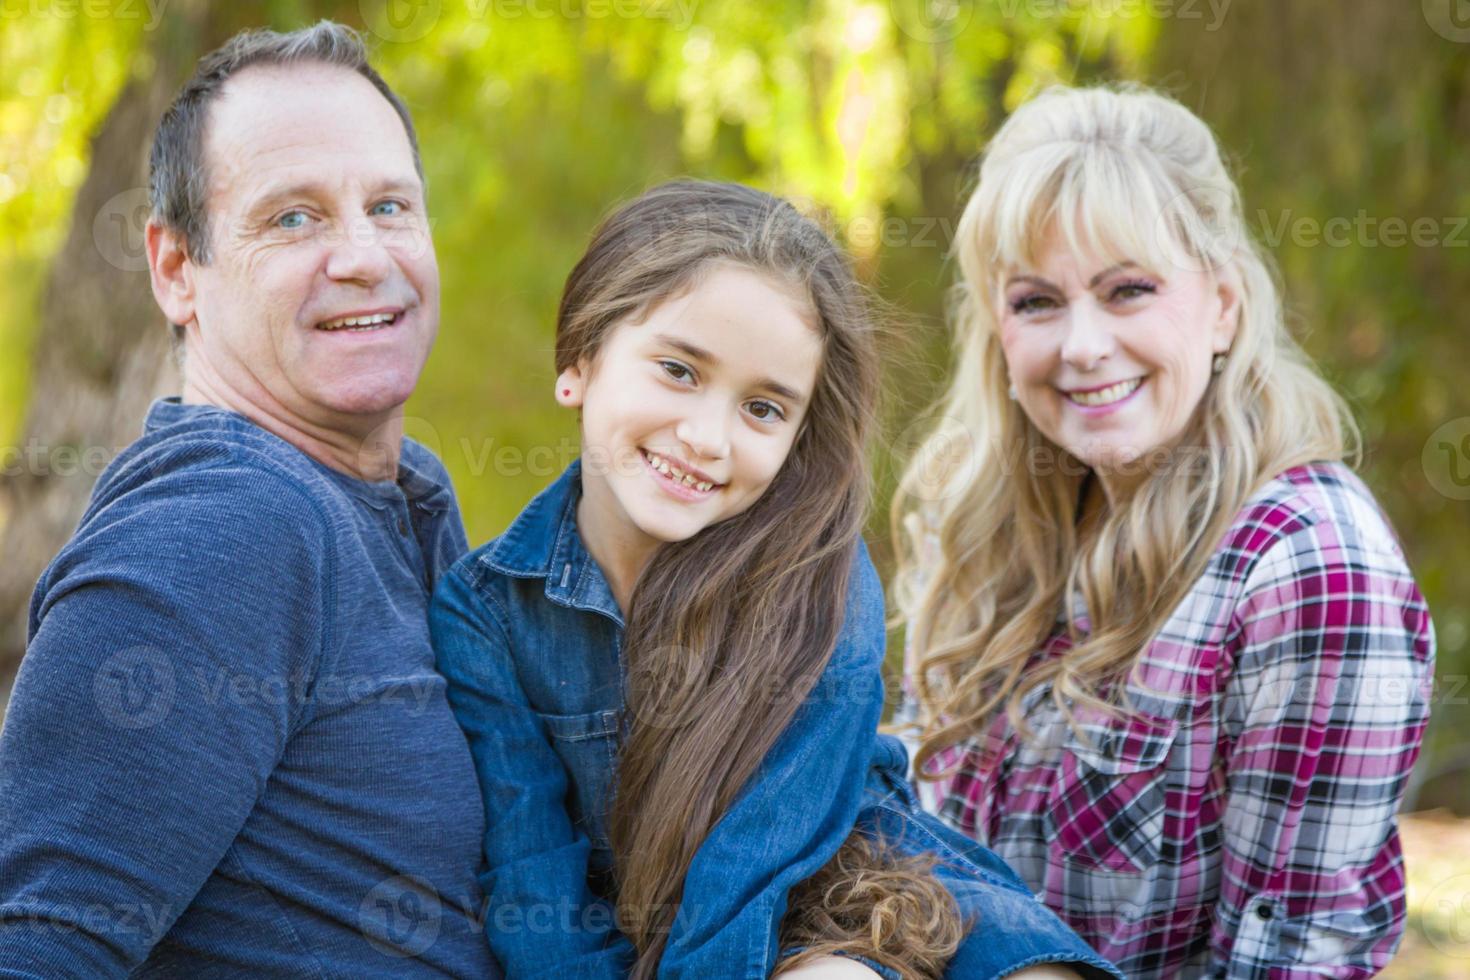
[227, 751]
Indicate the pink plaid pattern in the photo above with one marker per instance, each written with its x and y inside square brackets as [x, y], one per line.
[1243, 824]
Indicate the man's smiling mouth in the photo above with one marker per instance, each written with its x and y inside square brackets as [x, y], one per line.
[362, 322]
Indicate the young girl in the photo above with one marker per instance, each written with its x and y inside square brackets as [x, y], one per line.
[1175, 667]
[668, 665]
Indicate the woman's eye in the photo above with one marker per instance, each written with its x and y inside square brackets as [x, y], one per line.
[677, 371]
[292, 220]
[388, 208]
[1032, 303]
[1132, 290]
[766, 411]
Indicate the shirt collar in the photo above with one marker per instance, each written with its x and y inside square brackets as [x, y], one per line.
[416, 481]
[543, 542]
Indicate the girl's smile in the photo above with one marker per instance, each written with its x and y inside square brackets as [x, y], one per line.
[689, 411]
[682, 481]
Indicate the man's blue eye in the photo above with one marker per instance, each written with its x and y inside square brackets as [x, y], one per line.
[292, 220]
[394, 205]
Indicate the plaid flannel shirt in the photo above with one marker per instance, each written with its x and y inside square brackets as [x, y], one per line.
[1243, 823]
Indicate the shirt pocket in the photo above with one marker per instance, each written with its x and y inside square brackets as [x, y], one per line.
[587, 745]
[1105, 810]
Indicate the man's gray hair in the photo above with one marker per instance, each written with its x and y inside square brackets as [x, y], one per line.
[178, 183]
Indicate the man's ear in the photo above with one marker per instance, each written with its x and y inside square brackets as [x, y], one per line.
[171, 272]
[570, 385]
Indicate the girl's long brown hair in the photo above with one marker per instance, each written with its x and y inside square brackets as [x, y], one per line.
[751, 605]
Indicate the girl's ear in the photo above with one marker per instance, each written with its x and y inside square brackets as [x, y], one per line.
[570, 385]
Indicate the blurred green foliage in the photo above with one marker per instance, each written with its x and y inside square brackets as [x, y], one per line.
[534, 125]
[56, 85]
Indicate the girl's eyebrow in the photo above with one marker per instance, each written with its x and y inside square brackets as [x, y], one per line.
[700, 354]
[1091, 283]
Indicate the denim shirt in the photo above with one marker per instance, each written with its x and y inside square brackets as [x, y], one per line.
[528, 635]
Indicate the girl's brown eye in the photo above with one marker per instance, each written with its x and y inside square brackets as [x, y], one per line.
[766, 411]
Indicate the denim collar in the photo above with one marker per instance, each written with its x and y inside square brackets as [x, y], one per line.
[416, 481]
[543, 542]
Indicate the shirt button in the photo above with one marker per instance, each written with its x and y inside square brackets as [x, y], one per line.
[402, 526]
[1264, 912]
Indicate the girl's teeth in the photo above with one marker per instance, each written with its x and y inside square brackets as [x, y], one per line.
[678, 476]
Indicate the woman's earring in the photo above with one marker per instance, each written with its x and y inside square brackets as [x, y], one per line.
[1011, 392]
[1218, 364]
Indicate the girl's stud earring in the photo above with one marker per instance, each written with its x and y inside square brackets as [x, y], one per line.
[1011, 392]
[1218, 364]
[566, 391]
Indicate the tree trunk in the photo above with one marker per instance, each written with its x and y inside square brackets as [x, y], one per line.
[102, 348]
[1359, 115]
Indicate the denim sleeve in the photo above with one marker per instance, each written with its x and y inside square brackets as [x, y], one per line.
[542, 919]
[795, 812]
[127, 765]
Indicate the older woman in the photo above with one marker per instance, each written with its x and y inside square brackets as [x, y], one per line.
[1165, 653]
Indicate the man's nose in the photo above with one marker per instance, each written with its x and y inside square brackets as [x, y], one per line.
[359, 255]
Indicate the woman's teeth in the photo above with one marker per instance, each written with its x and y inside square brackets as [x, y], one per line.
[677, 475]
[1105, 396]
[359, 323]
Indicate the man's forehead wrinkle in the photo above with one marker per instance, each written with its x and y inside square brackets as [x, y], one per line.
[250, 147]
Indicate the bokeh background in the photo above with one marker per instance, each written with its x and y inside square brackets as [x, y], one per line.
[1348, 122]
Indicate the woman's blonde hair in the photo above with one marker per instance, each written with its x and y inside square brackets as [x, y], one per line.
[985, 519]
